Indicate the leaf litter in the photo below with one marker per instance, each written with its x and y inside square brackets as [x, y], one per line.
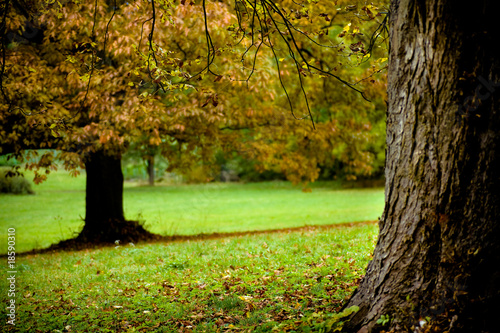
[291, 281]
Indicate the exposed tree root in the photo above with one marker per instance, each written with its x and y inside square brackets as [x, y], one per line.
[114, 232]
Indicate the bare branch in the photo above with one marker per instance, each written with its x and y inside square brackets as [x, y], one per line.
[151, 48]
[106, 33]
[266, 9]
[297, 65]
[294, 42]
[92, 66]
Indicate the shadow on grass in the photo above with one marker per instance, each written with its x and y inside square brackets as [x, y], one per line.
[133, 232]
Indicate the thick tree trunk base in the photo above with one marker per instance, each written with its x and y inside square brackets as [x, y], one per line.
[435, 267]
[116, 232]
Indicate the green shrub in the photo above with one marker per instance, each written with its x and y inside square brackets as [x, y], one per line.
[10, 182]
[238, 167]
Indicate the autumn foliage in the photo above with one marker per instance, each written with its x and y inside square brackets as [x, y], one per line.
[296, 89]
[104, 77]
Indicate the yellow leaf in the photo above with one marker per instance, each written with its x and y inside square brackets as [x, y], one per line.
[131, 84]
[281, 59]
[347, 27]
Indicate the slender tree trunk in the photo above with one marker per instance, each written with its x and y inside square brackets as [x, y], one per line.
[437, 259]
[104, 194]
[151, 170]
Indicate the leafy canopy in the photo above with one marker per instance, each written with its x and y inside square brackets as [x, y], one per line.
[188, 79]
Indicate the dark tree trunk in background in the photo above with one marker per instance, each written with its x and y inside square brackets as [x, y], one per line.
[438, 252]
[104, 193]
[104, 218]
[151, 170]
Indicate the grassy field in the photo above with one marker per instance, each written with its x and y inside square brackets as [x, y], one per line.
[283, 282]
[56, 211]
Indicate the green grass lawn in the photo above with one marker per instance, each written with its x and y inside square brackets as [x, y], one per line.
[283, 282]
[56, 211]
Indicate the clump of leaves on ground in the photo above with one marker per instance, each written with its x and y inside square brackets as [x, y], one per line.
[289, 281]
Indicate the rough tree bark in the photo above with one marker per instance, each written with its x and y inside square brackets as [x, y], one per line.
[436, 265]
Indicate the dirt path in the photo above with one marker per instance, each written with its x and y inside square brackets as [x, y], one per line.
[182, 238]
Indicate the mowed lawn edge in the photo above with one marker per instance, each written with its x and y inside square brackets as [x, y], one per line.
[57, 209]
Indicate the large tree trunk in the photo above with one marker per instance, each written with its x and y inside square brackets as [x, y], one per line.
[437, 258]
[104, 218]
[104, 193]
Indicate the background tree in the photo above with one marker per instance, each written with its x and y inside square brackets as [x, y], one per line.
[435, 266]
[90, 96]
[101, 77]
